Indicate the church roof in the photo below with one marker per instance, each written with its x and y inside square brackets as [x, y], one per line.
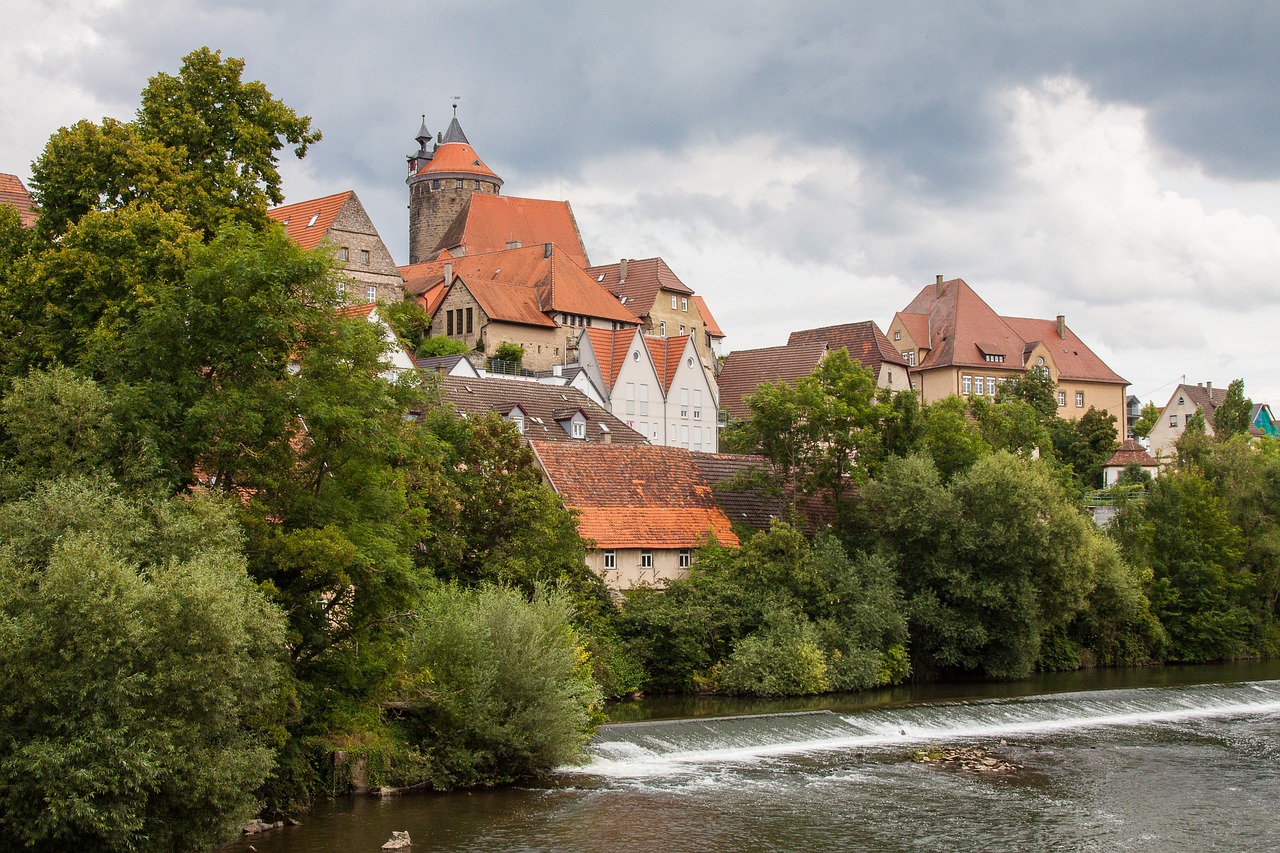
[308, 222]
[15, 195]
[491, 223]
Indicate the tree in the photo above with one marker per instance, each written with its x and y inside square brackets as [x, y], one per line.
[1036, 389]
[951, 439]
[1086, 444]
[1231, 418]
[1146, 422]
[140, 701]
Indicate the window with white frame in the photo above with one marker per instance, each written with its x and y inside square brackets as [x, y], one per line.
[1173, 421]
[662, 328]
[673, 302]
[611, 559]
[579, 429]
[1062, 398]
[644, 398]
[697, 404]
[1079, 399]
[991, 386]
[684, 303]
[631, 398]
[686, 558]
[684, 435]
[966, 385]
[684, 402]
[646, 559]
[370, 293]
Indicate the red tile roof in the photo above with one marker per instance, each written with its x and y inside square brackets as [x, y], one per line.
[709, 322]
[1074, 360]
[308, 222]
[457, 158]
[523, 285]
[665, 353]
[610, 348]
[642, 496]
[746, 370]
[490, 223]
[644, 279]
[866, 344]
[15, 195]
[364, 309]
[1131, 452]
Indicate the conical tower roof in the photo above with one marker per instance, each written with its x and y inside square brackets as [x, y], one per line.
[454, 157]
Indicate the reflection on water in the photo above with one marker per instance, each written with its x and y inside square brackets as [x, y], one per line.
[1141, 768]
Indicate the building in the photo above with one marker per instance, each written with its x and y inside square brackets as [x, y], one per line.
[1262, 422]
[340, 222]
[642, 509]
[395, 356]
[1130, 452]
[746, 370]
[658, 385]
[536, 297]
[14, 194]
[1184, 402]
[954, 343]
[866, 345]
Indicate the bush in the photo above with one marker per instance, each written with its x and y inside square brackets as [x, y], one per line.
[497, 688]
[784, 659]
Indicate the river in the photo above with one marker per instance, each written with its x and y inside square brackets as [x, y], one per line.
[1161, 759]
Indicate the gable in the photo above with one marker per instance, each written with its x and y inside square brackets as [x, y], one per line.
[307, 223]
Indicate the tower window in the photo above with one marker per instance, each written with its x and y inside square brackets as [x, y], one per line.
[458, 186]
[435, 185]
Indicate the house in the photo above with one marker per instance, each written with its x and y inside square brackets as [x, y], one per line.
[14, 194]
[1130, 452]
[1132, 414]
[455, 205]
[740, 485]
[711, 330]
[643, 509]
[866, 345]
[449, 365]
[954, 343]
[746, 370]
[396, 357]
[340, 221]
[658, 385]
[665, 304]
[1184, 402]
[540, 412]
[1262, 422]
[536, 297]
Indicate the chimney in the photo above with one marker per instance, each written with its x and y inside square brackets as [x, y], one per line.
[937, 288]
[448, 274]
[546, 250]
[1061, 324]
[1208, 386]
[607, 438]
[622, 271]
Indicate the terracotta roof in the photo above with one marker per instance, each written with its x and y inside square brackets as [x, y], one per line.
[645, 278]
[641, 496]
[610, 348]
[866, 344]
[423, 276]
[15, 195]
[490, 223]
[457, 158]
[965, 330]
[666, 353]
[746, 370]
[709, 322]
[543, 404]
[751, 505]
[524, 285]
[308, 222]
[1131, 452]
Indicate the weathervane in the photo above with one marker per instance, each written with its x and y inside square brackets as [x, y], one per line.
[456, 98]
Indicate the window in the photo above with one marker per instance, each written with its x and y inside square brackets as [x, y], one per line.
[673, 302]
[364, 257]
[966, 385]
[684, 436]
[579, 429]
[468, 321]
[435, 185]
[682, 328]
[697, 404]
[897, 336]
[684, 304]
[1173, 421]
[998, 359]
[370, 293]
[344, 254]
[631, 398]
[684, 402]
[1079, 399]
[458, 185]
[1062, 398]
[991, 382]
[448, 316]
[909, 357]
[477, 186]
[685, 558]
[662, 328]
[644, 398]
[517, 417]
[611, 559]
[646, 559]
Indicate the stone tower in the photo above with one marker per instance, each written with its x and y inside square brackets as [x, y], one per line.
[442, 177]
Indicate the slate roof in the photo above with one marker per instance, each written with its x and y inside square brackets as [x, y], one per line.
[749, 505]
[746, 370]
[542, 405]
[866, 344]
[14, 194]
[708, 322]
[524, 285]
[308, 222]
[1130, 452]
[645, 278]
[490, 222]
[641, 496]
[666, 353]
[964, 329]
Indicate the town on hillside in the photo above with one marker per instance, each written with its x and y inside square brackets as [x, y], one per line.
[617, 375]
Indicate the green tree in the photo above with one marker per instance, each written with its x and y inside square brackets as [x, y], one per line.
[953, 441]
[140, 700]
[1086, 444]
[1010, 424]
[441, 345]
[1231, 418]
[1036, 389]
[1146, 422]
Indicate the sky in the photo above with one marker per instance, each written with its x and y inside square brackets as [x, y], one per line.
[797, 164]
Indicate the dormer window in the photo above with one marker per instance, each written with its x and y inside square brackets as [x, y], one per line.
[579, 429]
[312, 220]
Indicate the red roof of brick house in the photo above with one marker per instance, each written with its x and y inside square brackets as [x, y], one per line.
[866, 344]
[308, 222]
[491, 223]
[665, 353]
[746, 370]
[1131, 452]
[14, 194]
[708, 322]
[638, 282]
[643, 496]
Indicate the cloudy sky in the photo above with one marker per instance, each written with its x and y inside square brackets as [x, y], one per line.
[797, 164]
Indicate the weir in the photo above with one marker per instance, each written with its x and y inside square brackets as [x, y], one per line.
[684, 746]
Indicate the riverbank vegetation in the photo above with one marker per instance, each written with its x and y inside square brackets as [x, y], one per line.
[237, 577]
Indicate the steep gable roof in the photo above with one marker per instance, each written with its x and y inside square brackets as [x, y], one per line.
[1074, 360]
[544, 406]
[1206, 399]
[490, 223]
[610, 348]
[641, 283]
[14, 194]
[640, 496]
[708, 322]
[959, 320]
[866, 344]
[1130, 452]
[666, 353]
[746, 370]
[307, 223]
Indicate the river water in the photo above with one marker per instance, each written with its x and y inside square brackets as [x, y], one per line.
[1162, 764]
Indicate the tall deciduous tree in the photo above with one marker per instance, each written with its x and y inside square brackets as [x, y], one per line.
[1231, 418]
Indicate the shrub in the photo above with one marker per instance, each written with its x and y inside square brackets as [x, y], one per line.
[783, 659]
